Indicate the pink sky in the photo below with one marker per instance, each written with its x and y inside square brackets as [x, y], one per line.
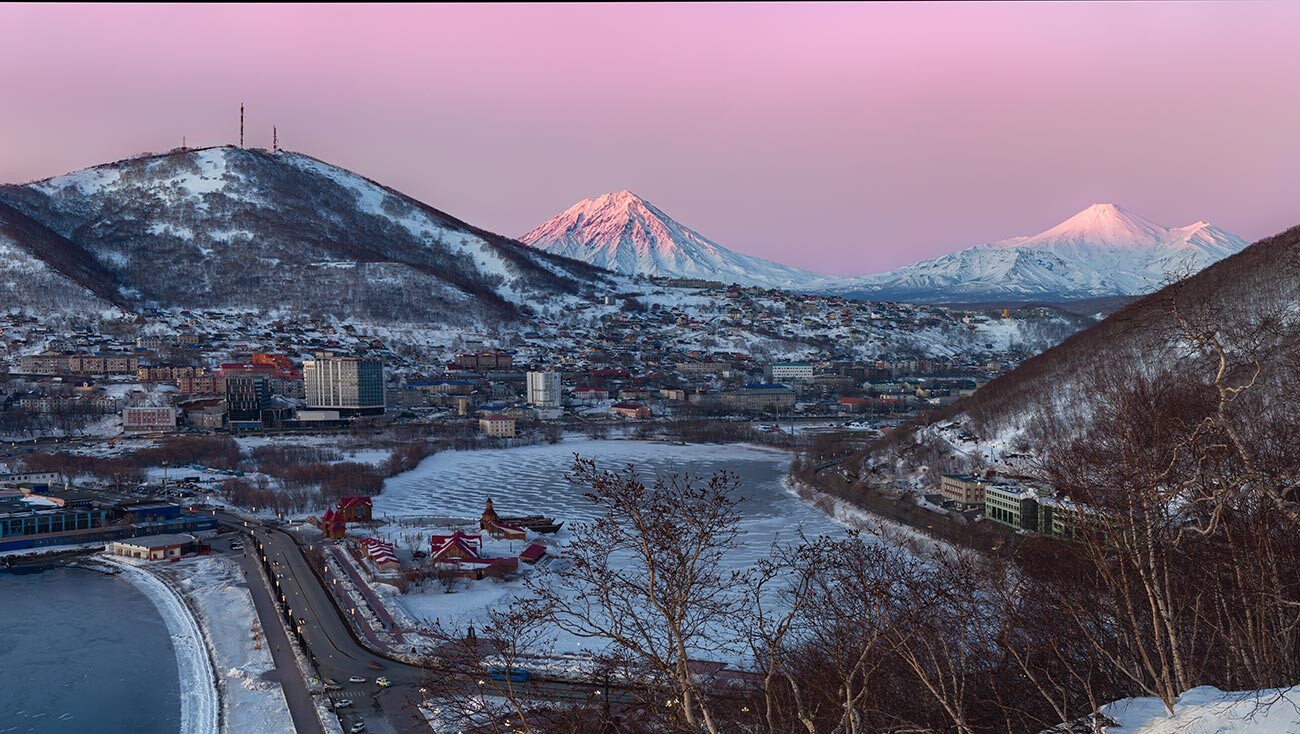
[841, 138]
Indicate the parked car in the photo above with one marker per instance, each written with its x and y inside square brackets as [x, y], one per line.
[514, 675]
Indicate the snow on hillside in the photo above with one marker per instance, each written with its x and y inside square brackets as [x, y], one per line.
[625, 233]
[1207, 710]
[1104, 250]
[233, 227]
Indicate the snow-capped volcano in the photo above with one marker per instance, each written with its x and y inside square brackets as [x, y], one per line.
[1104, 250]
[627, 234]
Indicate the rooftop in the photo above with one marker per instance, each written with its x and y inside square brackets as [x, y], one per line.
[160, 541]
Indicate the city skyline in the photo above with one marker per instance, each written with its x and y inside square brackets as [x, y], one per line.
[845, 139]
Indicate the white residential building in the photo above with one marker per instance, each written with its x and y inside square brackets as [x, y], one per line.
[544, 389]
[788, 373]
[350, 385]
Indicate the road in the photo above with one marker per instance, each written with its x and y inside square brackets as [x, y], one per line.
[296, 694]
[337, 653]
[333, 649]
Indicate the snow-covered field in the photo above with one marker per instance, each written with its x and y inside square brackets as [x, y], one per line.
[531, 480]
[1207, 710]
[251, 702]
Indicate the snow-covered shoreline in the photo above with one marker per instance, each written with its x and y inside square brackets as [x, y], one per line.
[217, 589]
[200, 702]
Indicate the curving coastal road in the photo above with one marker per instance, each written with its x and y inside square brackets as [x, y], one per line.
[334, 649]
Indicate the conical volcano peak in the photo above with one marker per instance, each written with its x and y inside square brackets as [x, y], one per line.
[624, 232]
[1106, 225]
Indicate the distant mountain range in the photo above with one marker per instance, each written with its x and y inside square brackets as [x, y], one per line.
[625, 233]
[1247, 300]
[1101, 252]
[230, 227]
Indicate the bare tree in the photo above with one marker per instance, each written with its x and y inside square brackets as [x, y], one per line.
[645, 581]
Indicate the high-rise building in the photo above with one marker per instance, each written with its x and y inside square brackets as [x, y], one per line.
[544, 389]
[350, 385]
[247, 396]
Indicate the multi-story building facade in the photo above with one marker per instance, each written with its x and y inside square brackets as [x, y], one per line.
[1011, 505]
[497, 426]
[544, 389]
[351, 385]
[484, 361]
[78, 364]
[964, 489]
[788, 373]
[758, 397]
[148, 419]
[247, 396]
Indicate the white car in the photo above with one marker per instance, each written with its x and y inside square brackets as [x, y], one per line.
[356, 679]
[383, 682]
[342, 703]
[360, 726]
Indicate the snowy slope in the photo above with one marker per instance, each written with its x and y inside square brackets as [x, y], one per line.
[1104, 250]
[39, 272]
[1207, 710]
[245, 228]
[627, 234]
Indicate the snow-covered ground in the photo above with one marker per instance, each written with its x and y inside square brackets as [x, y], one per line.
[531, 480]
[1207, 710]
[200, 704]
[251, 701]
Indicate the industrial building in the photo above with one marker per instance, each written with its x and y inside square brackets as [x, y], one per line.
[29, 519]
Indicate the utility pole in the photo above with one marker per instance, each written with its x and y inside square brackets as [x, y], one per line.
[241, 124]
[275, 139]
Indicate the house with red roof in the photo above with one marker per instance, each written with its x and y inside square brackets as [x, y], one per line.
[356, 509]
[533, 553]
[461, 554]
[382, 554]
[630, 409]
[456, 546]
[332, 525]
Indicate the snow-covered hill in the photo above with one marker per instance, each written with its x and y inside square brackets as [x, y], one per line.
[246, 228]
[627, 234]
[1104, 250]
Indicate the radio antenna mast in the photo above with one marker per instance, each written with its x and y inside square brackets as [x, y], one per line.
[241, 124]
[275, 139]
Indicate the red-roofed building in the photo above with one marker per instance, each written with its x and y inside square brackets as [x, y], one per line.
[382, 554]
[489, 517]
[630, 410]
[497, 426]
[533, 553]
[461, 554]
[356, 509]
[332, 525]
[456, 546]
